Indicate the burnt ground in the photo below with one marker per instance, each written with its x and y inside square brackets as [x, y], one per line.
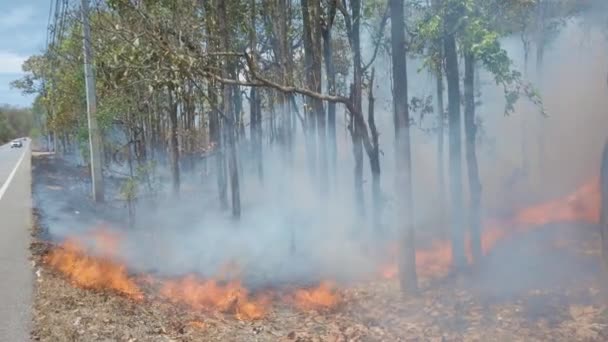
[543, 285]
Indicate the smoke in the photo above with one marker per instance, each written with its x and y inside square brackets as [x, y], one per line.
[293, 231]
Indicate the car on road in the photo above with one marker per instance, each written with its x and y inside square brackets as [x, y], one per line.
[16, 143]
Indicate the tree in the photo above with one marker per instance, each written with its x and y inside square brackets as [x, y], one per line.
[230, 114]
[407, 257]
[471, 154]
[328, 56]
[453, 10]
[311, 20]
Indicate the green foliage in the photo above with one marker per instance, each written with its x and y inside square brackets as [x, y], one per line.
[481, 37]
[129, 189]
[14, 123]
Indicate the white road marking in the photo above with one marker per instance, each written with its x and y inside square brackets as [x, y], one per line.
[10, 177]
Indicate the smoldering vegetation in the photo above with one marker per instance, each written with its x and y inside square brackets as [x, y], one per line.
[292, 231]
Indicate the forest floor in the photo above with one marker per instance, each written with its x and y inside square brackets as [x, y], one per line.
[543, 285]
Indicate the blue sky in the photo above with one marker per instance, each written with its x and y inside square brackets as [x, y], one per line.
[22, 34]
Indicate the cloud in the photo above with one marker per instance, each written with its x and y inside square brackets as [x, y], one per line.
[10, 63]
[16, 17]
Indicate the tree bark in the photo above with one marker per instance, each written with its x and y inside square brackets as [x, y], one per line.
[215, 121]
[407, 256]
[331, 90]
[283, 51]
[256, 132]
[375, 157]
[255, 105]
[229, 112]
[540, 53]
[439, 67]
[455, 150]
[315, 112]
[440, 139]
[173, 143]
[356, 95]
[471, 155]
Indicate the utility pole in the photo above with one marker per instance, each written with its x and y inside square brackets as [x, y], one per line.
[94, 138]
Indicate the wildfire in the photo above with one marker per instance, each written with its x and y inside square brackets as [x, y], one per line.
[89, 272]
[322, 297]
[435, 260]
[98, 268]
[432, 261]
[92, 261]
[209, 295]
[581, 205]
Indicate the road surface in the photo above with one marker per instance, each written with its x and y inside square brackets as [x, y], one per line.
[16, 277]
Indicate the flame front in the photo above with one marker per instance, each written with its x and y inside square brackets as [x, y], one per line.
[91, 272]
[322, 297]
[581, 205]
[209, 295]
[98, 267]
[436, 260]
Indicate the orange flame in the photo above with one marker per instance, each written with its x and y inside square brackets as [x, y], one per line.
[98, 267]
[91, 272]
[322, 297]
[209, 295]
[581, 205]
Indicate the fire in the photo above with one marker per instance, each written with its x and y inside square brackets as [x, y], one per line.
[92, 262]
[581, 205]
[89, 272]
[322, 297]
[210, 295]
[435, 260]
[432, 261]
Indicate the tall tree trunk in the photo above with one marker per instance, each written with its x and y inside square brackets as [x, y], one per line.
[215, 120]
[356, 93]
[540, 53]
[282, 50]
[238, 110]
[331, 89]
[312, 59]
[407, 255]
[255, 105]
[455, 150]
[375, 157]
[174, 143]
[440, 139]
[215, 135]
[471, 155]
[229, 112]
[439, 68]
[256, 131]
[525, 160]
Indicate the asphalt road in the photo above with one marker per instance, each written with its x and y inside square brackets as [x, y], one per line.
[16, 275]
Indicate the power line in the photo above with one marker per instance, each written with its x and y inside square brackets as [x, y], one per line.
[48, 25]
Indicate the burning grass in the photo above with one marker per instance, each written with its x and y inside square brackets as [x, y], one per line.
[97, 268]
[206, 295]
[90, 272]
[193, 308]
[92, 262]
[434, 261]
[323, 297]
